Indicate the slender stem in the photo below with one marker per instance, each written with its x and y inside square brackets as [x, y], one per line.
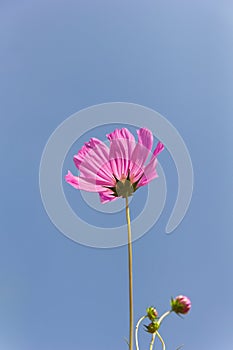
[152, 340]
[136, 331]
[130, 264]
[161, 339]
[163, 316]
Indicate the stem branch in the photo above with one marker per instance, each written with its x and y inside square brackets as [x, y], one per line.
[163, 316]
[152, 340]
[161, 339]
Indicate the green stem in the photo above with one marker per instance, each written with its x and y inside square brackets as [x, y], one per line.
[136, 331]
[163, 316]
[161, 339]
[152, 340]
[130, 265]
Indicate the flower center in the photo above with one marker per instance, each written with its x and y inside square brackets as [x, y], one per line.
[124, 188]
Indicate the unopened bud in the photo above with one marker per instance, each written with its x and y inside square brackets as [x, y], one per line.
[181, 304]
[152, 313]
[152, 327]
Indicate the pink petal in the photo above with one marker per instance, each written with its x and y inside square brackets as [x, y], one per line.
[121, 150]
[82, 184]
[121, 133]
[159, 148]
[106, 197]
[88, 146]
[92, 161]
[145, 138]
[72, 180]
[141, 152]
[150, 172]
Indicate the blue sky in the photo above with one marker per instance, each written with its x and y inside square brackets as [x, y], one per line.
[58, 57]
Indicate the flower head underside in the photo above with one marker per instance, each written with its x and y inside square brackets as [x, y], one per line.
[118, 170]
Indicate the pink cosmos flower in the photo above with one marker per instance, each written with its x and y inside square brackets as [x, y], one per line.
[117, 171]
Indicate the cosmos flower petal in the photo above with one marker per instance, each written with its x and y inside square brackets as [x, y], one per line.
[82, 184]
[122, 144]
[141, 152]
[145, 138]
[149, 173]
[121, 134]
[87, 148]
[92, 162]
[72, 180]
[159, 148]
[106, 197]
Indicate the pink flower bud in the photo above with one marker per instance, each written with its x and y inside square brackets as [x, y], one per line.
[152, 313]
[181, 304]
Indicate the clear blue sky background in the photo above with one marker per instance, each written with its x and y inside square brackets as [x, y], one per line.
[58, 57]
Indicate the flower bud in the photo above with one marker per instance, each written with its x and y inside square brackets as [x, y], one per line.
[152, 313]
[152, 327]
[181, 304]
